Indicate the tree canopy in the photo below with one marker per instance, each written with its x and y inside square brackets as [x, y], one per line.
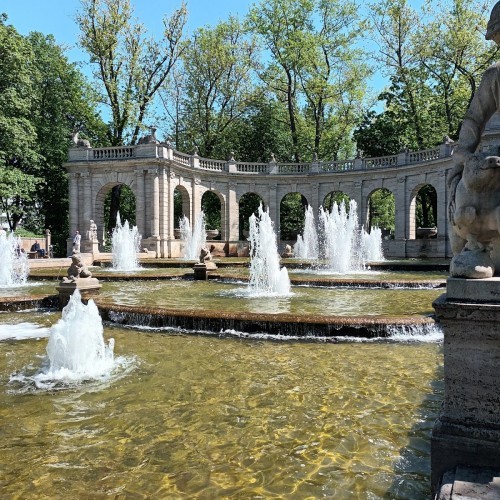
[290, 79]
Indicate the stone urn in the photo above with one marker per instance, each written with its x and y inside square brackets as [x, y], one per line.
[425, 233]
[212, 234]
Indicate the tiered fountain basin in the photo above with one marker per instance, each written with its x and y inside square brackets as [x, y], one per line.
[188, 415]
[368, 305]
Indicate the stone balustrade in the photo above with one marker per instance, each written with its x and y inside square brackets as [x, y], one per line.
[272, 168]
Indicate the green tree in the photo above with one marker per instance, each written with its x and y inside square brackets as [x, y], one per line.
[454, 54]
[395, 24]
[16, 189]
[129, 66]
[382, 210]
[218, 66]
[211, 206]
[248, 206]
[18, 140]
[261, 132]
[62, 102]
[426, 207]
[292, 215]
[337, 197]
[313, 70]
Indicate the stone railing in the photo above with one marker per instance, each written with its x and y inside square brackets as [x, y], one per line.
[209, 164]
[252, 168]
[194, 161]
[336, 166]
[380, 162]
[422, 156]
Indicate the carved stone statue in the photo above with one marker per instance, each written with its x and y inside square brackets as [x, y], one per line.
[149, 138]
[77, 142]
[287, 252]
[92, 233]
[77, 269]
[205, 255]
[474, 184]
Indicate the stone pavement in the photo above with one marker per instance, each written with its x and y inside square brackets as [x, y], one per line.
[470, 483]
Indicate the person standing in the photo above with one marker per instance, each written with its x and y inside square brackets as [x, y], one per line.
[76, 242]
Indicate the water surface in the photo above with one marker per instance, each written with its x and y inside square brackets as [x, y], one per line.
[201, 416]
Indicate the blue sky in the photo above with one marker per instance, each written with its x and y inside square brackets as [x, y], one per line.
[56, 17]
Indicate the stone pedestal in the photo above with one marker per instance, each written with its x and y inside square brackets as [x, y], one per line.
[467, 431]
[88, 287]
[201, 270]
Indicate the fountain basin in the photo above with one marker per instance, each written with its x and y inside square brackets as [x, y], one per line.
[308, 312]
[201, 417]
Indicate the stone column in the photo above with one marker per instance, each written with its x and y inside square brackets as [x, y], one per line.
[467, 431]
[442, 214]
[74, 203]
[155, 199]
[170, 201]
[195, 200]
[163, 211]
[233, 212]
[314, 199]
[274, 208]
[86, 205]
[140, 202]
[401, 230]
[153, 211]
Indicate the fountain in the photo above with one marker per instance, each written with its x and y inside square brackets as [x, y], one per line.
[126, 242]
[307, 243]
[275, 427]
[372, 245]
[14, 267]
[76, 349]
[195, 239]
[266, 277]
[341, 238]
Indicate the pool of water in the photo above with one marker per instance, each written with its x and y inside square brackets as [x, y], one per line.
[218, 296]
[204, 417]
[29, 288]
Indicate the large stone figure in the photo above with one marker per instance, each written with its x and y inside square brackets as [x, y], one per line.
[474, 208]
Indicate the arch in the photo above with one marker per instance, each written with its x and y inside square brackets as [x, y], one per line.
[381, 212]
[292, 215]
[212, 203]
[248, 205]
[182, 205]
[101, 212]
[335, 196]
[422, 212]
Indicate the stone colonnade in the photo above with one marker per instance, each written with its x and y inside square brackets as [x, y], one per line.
[154, 171]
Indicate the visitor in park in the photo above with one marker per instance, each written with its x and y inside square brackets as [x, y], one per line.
[76, 241]
[36, 248]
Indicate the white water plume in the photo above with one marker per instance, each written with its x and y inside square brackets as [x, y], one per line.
[14, 268]
[266, 277]
[307, 246]
[126, 243]
[195, 238]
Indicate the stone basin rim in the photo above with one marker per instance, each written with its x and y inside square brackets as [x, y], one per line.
[217, 321]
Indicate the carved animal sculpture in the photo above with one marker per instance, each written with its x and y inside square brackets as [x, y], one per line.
[79, 143]
[149, 138]
[476, 215]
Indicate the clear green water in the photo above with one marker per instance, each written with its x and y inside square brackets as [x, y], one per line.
[213, 296]
[204, 417]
